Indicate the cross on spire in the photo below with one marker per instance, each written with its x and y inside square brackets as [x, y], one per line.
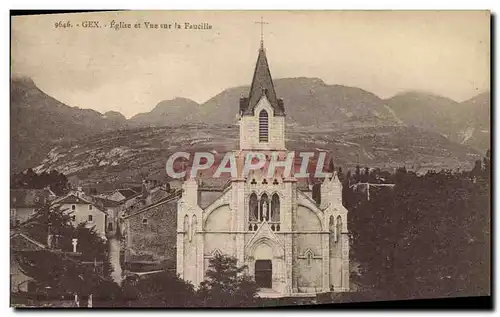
[261, 22]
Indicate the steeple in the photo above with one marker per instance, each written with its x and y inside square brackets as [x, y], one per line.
[262, 84]
[262, 128]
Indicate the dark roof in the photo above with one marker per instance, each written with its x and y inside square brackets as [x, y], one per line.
[206, 198]
[262, 83]
[30, 197]
[104, 202]
[213, 183]
[22, 241]
[170, 198]
[127, 192]
[73, 199]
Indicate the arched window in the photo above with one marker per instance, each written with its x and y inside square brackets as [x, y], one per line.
[193, 226]
[275, 208]
[264, 208]
[339, 228]
[186, 224]
[253, 208]
[309, 256]
[263, 126]
[331, 227]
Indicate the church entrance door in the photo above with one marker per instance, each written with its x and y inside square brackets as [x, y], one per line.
[263, 273]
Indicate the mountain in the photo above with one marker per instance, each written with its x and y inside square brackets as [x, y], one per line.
[39, 121]
[318, 115]
[467, 122]
[116, 117]
[308, 102]
[126, 156]
[167, 112]
[476, 129]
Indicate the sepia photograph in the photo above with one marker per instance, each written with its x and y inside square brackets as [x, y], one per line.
[241, 159]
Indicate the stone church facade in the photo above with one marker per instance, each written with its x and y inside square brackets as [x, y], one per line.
[291, 244]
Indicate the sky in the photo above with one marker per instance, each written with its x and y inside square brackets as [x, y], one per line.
[131, 70]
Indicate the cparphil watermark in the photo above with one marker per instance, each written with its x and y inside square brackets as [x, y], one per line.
[240, 165]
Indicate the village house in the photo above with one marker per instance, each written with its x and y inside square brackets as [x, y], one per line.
[149, 195]
[83, 210]
[114, 211]
[125, 196]
[20, 241]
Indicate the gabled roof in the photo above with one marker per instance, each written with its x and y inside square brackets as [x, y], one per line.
[72, 198]
[126, 193]
[264, 232]
[20, 241]
[30, 197]
[262, 84]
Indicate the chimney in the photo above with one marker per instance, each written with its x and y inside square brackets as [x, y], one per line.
[79, 192]
[145, 188]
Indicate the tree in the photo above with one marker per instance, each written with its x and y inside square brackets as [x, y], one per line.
[56, 266]
[54, 225]
[162, 289]
[227, 285]
[427, 237]
[331, 166]
[357, 174]
[487, 163]
[372, 226]
[478, 169]
[57, 182]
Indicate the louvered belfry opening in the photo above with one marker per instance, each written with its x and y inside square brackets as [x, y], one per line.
[263, 126]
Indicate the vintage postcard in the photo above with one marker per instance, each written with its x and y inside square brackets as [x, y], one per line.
[249, 158]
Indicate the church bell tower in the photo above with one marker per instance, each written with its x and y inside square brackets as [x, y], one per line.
[262, 114]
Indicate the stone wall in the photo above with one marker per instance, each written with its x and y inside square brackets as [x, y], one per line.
[151, 235]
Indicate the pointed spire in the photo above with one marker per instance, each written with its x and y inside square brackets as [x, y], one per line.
[262, 84]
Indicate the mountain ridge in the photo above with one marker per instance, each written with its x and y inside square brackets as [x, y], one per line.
[309, 102]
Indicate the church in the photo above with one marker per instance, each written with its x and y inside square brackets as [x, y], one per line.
[292, 244]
